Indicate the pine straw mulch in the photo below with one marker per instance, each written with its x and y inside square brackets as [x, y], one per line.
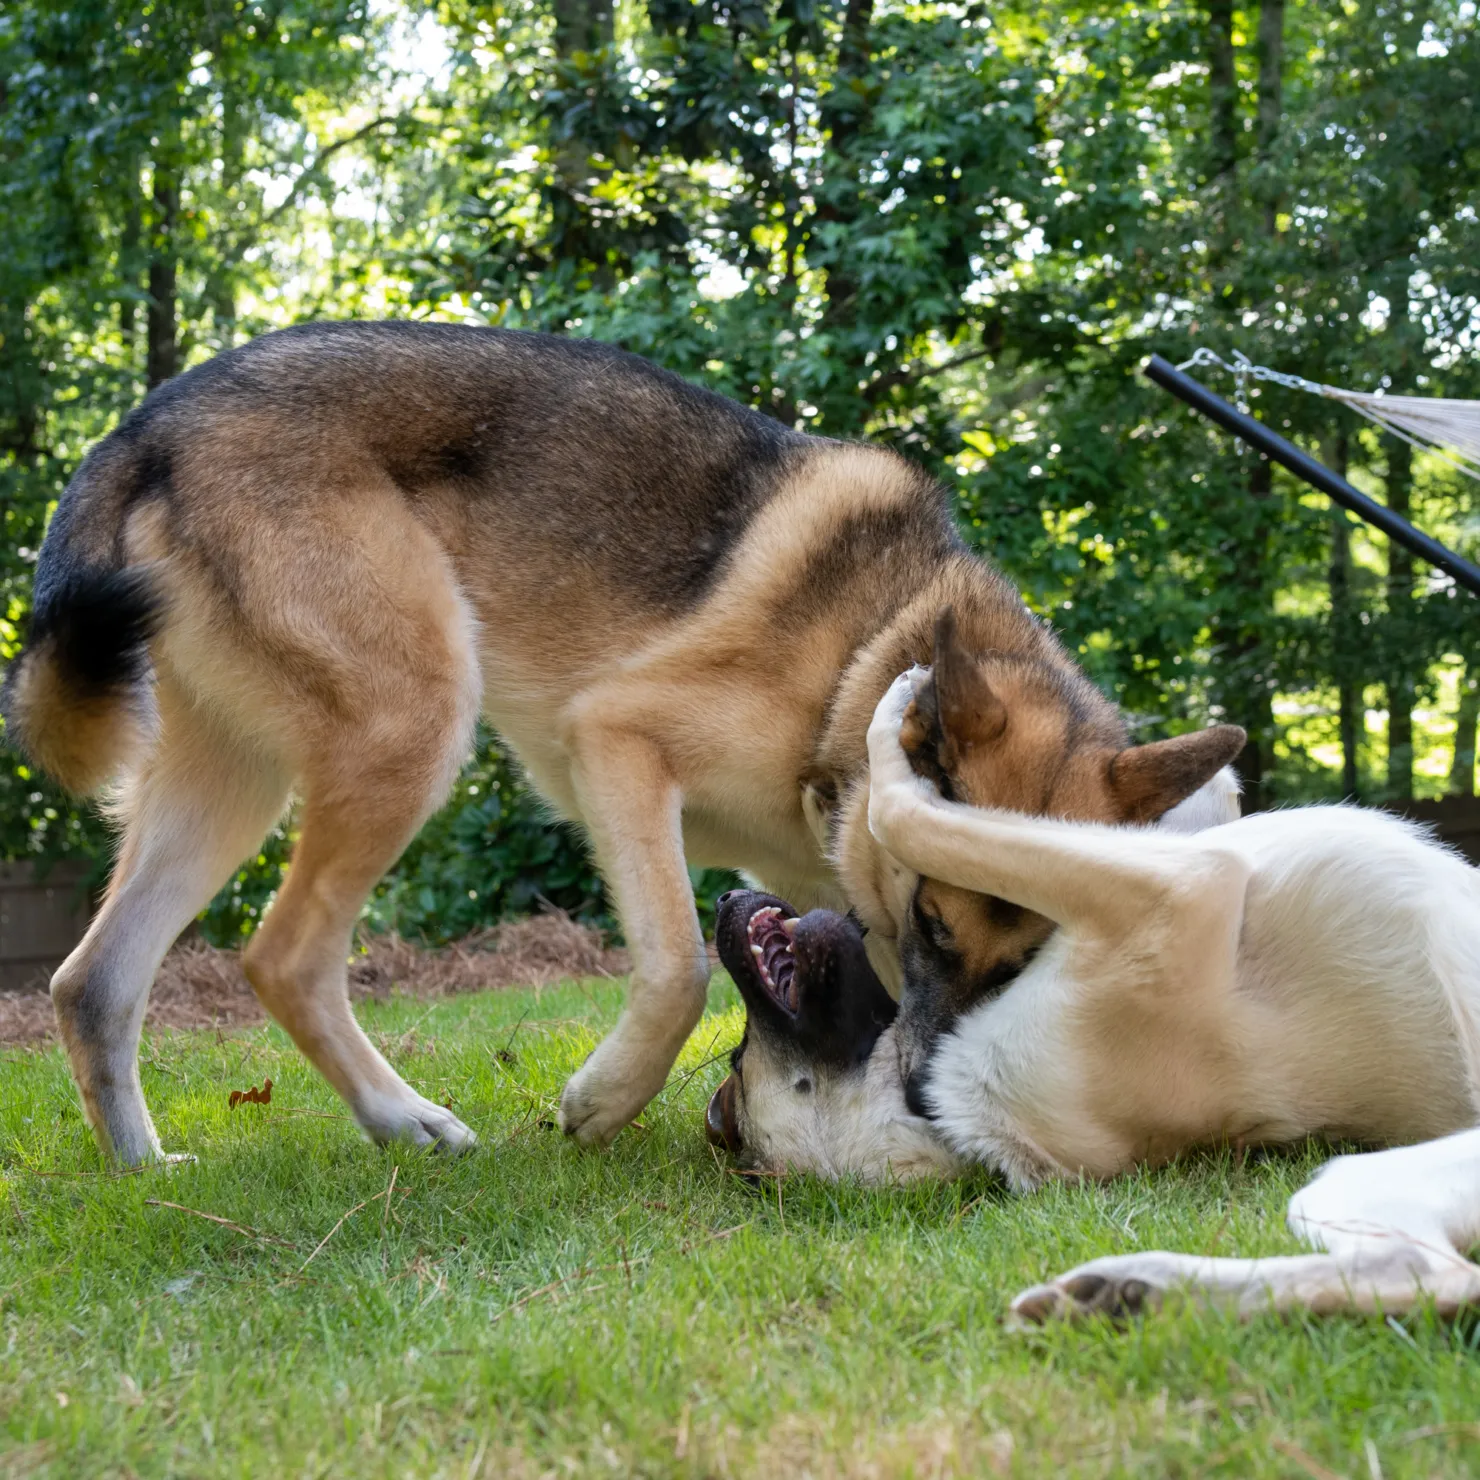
[199, 986]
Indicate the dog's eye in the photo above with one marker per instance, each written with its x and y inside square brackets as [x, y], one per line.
[933, 928]
[803, 1086]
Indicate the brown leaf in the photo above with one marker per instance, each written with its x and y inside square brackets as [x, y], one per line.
[253, 1096]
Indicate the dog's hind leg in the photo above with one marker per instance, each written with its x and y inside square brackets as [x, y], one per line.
[199, 806]
[384, 698]
[351, 833]
[1395, 1226]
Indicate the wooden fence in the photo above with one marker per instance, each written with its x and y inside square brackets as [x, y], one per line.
[1456, 818]
[42, 916]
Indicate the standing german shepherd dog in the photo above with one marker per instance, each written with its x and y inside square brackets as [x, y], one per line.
[309, 564]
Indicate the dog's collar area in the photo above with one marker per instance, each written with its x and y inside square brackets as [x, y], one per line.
[721, 1122]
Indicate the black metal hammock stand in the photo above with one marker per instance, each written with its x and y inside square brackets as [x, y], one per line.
[1450, 427]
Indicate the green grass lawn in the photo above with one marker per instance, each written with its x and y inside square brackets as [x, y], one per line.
[532, 1309]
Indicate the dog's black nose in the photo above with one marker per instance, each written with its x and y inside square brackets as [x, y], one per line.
[728, 894]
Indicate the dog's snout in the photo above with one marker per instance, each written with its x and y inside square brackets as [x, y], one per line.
[724, 898]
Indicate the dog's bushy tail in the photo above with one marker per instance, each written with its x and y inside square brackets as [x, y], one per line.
[78, 700]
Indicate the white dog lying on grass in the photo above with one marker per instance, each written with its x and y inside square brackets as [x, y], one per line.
[1307, 972]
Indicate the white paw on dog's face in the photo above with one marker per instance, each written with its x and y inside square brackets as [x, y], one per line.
[806, 1090]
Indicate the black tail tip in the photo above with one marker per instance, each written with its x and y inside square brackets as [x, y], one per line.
[96, 626]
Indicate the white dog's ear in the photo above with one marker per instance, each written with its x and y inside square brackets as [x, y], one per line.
[1148, 780]
[1211, 805]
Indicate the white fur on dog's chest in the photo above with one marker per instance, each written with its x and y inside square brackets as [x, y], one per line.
[1008, 1084]
[1339, 1016]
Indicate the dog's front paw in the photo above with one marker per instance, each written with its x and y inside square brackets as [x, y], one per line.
[1116, 1288]
[414, 1121]
[610, 1090]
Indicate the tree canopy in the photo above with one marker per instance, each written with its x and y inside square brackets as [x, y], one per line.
[951, 228]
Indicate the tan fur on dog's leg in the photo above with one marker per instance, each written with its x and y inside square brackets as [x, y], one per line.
[372, 678]
[200, 806]
[297, 963]
[634, 808]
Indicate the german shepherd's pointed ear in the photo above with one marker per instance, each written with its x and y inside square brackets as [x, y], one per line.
[1149, 780]
[955, 708]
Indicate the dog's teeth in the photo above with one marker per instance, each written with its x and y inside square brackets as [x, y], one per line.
[790, 926]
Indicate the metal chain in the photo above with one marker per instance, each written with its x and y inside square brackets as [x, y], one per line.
[1376, 408]
[1244, 369]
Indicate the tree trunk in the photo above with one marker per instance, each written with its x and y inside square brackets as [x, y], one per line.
[1256, 697]
[1271, 95]
[1344, 650]
[129, 269]
[1247, 685]
[853, 62]
[583, 25]
[1222, 90]
[162, 347]
[1271, 71]
[1462, 771]
[20, 386]
[221, 287]
[1400, 687]
[844, 112]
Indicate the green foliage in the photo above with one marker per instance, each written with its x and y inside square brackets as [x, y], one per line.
[491, 853]
[952, 230]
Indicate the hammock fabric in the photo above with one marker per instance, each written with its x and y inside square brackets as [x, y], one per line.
[1449, 428]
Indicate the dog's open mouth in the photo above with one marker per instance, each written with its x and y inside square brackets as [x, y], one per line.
[771, 936]
[807, 977]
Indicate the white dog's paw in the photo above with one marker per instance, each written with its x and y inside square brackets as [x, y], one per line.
[1117, 1287]
[611, 1089]
[416, 1122]
[896, 792]
[883, 730]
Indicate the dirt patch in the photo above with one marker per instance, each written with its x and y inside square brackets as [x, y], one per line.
[199, 986]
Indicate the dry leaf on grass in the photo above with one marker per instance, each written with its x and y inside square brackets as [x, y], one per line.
[253, 1096]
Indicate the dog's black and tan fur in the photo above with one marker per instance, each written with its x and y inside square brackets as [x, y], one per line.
[308, 565]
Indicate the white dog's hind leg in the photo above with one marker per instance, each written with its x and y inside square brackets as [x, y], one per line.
[1394, 1224]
